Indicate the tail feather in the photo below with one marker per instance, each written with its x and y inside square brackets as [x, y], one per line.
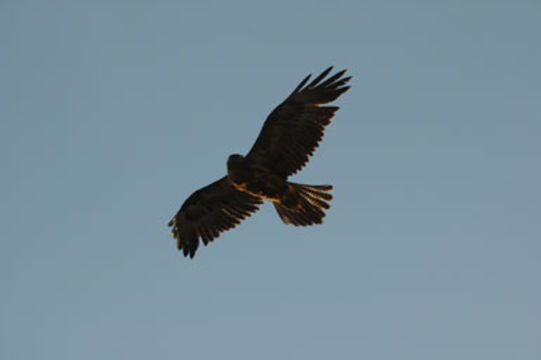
[309, 202]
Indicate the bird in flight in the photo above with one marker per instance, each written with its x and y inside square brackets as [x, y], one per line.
[288, 138]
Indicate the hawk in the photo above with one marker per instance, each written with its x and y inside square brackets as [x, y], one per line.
[288, 138]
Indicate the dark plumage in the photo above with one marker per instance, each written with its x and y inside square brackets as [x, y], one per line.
[289, 137]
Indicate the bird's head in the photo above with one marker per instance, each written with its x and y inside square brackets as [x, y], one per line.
[234, 160]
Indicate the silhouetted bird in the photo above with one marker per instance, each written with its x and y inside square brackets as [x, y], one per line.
[289, 137]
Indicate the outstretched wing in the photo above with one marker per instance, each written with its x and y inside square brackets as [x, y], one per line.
[293, 130]
[208, 212]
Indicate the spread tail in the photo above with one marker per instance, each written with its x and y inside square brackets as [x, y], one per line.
[303, 204]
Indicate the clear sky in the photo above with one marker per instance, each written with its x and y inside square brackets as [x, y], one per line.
[113, 112]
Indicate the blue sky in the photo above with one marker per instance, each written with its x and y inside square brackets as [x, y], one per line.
[113, 112]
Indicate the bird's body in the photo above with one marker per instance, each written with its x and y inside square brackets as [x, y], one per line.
[289, 136]
[246, 176]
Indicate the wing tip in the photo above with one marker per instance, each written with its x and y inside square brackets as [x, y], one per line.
[335, 80]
